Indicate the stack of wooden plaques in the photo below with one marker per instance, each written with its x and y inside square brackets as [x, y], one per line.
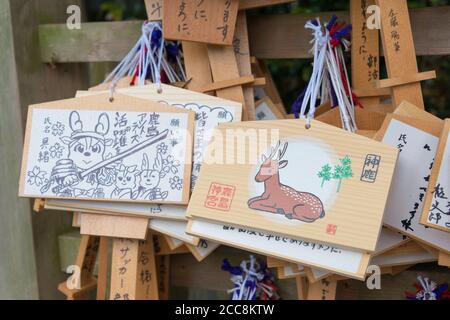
[218, 160]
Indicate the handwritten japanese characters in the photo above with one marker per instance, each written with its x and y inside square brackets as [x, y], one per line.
[407, 196]
[203, 249]
[211, 21]
[395, 36]
[436, 211]
[341, 261]
[280, 177]
[399, 50]
[324, 289]
[133, 273]
[154, 9]
[209, 112]
[118, 153]
[366, 44]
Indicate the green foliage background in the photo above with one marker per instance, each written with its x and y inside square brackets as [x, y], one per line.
[292, 75]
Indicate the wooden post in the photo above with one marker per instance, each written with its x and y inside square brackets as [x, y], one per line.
[24, 79]
[133, 270]
[261, 70]
[83, 281]
[196, 61]
[302, 287]
[163, 270]
[224, 67]
[324, 289]
[242, 52]
[102, 277]
[365, 54]
[154, 9]
[399, 51]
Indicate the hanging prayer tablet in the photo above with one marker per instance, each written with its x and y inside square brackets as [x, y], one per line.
[417, 141]
[290, 271]
[175, 229]
[338, 260]
[211, 21]
[203, 249]
[209, 110]
[266, 110]
[320, 184]
[96, 148]
[406, 254]
[154, 10]
[436, 210]
[166, 212]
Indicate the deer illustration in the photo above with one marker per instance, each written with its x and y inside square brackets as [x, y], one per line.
[282, 199]
[85, 149]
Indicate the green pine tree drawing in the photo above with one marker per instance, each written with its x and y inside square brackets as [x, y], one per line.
[343, 171]
[325, 174]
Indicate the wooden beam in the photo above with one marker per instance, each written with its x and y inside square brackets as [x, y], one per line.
[407, 78]
[228, 83]
[284, 36]
[271, 37]
[252, 4]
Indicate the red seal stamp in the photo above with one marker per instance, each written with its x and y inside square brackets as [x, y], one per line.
[331, 229]
[219, 196]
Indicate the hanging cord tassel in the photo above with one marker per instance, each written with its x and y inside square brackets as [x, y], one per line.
[310, 95]
[251, 281]
[329, 79]
[148, 60]
[429, 290]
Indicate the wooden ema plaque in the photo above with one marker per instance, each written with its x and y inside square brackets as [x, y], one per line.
[400, 54]
[417, 139]
[94, 148]
[209, 112]
[365, 55]
[155, 9]
[133, 271]
[241, 48]
[320, 184]
[341, 261]
[436, 209]
[266, 110]
[324, 289]
[211, 21]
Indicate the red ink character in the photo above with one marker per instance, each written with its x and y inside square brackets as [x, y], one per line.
[219, 197]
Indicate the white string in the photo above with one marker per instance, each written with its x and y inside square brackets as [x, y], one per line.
[428, 289]
[326, 74]
[241, 290]
[319, 49]
[147, 59]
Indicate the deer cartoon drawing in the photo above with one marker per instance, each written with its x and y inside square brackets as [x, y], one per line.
[282, 199]
[85, 149]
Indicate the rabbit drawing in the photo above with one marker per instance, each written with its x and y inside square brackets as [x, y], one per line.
[151, 178]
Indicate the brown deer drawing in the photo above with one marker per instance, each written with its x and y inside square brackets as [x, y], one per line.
[282, 199]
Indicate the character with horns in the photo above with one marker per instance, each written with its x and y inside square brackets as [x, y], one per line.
[86, 148]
